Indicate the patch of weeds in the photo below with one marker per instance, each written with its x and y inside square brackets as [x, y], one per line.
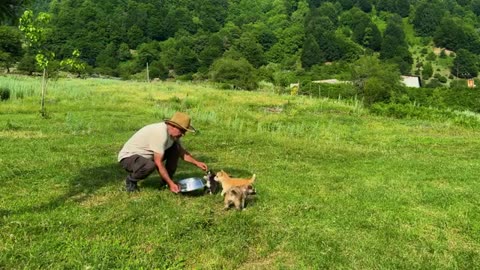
[175, 99]
[11, 126]
[77, 126]
[165, 112]
[209, 117]
[188, 103]
[181, 104]
[19, 94]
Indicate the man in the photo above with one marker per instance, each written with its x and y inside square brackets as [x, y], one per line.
[153, 145]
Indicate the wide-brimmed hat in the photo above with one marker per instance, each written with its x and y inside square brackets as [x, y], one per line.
[181, 121]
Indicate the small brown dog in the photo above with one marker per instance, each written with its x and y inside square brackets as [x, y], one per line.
[237, 196]
[228, 182]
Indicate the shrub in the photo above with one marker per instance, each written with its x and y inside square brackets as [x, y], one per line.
[443, 54]
[158, 70]
[375, 80]
[442, 79]
[4, 94]
[28, 64]
[433, 83]
[431, 56]
[127, 69]
[427, 71]
[239, 73]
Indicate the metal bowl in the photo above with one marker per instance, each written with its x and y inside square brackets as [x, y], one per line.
[191, 184]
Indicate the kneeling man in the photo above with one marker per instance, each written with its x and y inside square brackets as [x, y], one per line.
[157, 146]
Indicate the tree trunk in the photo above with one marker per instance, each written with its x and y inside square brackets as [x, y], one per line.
[44, 91]
[148, 74]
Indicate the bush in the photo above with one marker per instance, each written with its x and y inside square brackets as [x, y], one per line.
[158, 70]
[427, 71]
[434, 83]
[440, 78]
[127, 69]
[4, 94]
[431, 56]
[239, 73]
[462, 99]
[443, 54]
[28, 64]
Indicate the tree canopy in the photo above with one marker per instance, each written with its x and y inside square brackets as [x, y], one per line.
[186, 37]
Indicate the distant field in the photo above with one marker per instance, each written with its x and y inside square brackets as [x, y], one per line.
[337, 187]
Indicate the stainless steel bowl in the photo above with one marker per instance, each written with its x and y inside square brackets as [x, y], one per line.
[191, 184]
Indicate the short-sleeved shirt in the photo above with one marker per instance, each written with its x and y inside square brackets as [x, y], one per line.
[149, 139]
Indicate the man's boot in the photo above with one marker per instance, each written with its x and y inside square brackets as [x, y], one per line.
[131, 184]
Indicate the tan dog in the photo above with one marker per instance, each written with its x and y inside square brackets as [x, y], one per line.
[237, 196]
[228, 182]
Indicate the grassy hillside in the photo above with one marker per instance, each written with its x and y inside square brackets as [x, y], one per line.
[423, 51]
[337, 187]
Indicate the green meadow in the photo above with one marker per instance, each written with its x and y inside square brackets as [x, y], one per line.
[338, 188]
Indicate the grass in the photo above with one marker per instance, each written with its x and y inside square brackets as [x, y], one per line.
[337, 187]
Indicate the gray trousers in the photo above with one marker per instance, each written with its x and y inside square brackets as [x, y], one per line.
[140, 168]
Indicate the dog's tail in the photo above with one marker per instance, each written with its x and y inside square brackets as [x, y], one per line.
[254, 176]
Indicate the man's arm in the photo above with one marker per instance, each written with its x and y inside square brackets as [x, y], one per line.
[157, 158]
[189, 158]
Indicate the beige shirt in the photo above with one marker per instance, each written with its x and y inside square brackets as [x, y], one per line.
[149, 139]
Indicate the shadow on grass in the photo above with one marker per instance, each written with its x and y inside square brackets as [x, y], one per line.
[89, 180]
[81, 187]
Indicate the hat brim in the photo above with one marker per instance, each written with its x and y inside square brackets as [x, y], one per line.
[189, 129]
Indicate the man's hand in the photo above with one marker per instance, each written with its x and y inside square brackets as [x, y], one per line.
[201, 165]
[174, 188]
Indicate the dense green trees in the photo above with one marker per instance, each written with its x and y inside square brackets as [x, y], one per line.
[394, 46]
[454, 34]
[465, 64]
[10, 9]
[190, 39]
[10, 46]
[311, 53]
[428, 15]
[400, 7]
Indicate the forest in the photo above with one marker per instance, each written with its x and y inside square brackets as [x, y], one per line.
[242, 43]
